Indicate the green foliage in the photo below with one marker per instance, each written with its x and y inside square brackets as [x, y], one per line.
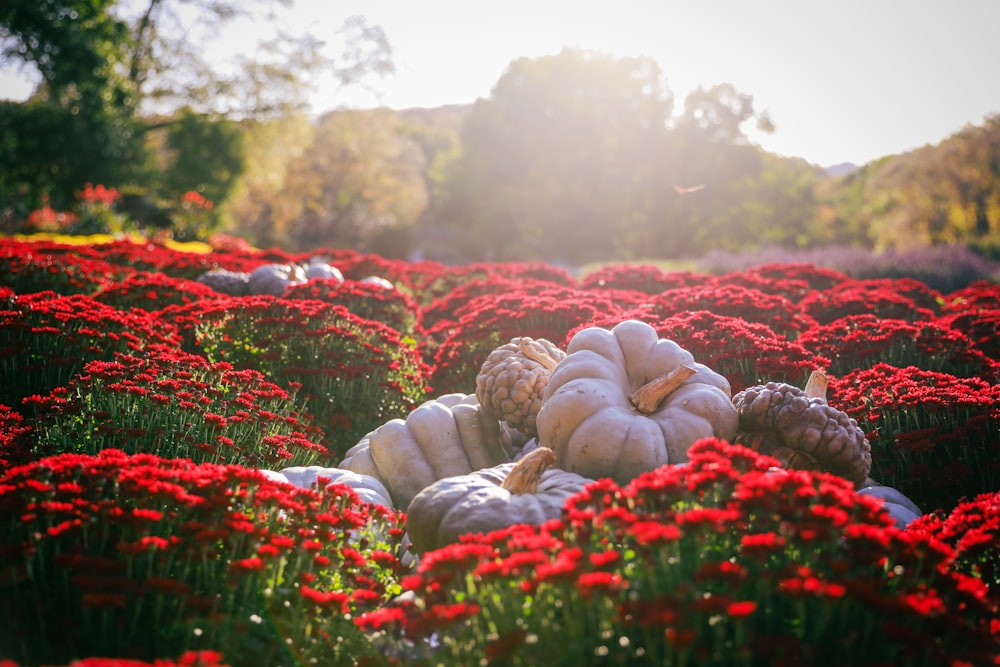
[35, 164]
[574, 158]
[357, 182]
[209, 156]
[82, 128]
[76, 46]
[97, 67]
[943, 194]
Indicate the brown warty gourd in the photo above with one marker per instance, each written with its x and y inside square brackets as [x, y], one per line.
[800, 429]
[511, 381]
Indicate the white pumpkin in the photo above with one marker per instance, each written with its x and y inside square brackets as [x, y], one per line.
[274, 279]
[319, 270]
[444, 437]
[381, 282]
[623, 401]
[369, 489]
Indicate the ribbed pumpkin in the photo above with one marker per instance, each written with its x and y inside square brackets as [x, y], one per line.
[443, 437]
[528, 491]
[368, 488]
[625, 401]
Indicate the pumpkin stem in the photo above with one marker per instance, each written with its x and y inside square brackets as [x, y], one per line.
[526, 474]
[816, 385]
[647, 398]
[532, 350]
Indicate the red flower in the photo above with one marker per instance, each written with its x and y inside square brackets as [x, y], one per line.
[326, 600]
[590, 583]
[972, 530]
[566, 566]
[345, 366]
[741, 609]
[933, 434]
[516, 308]
[245, 565]
[381, 618]
[861, 341]
[98, 194]
[654, 532]
[196, 199]
[753, 305]
[887, 299]
[127, 549]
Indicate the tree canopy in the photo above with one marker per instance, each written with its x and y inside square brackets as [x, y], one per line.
[114, 65]
[573, 158]
[578, 155]
[556, 156]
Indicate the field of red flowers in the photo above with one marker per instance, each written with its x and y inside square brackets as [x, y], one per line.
[138, 404]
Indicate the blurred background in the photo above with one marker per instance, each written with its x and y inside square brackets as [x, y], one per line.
[571, 133]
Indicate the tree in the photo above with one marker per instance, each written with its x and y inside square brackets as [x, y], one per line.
[258, 208]
[948, 193]
[103, 61]
[556, 163]
[77, 47]
[170, 70]
[708, 148]
[208, 155]
[358, 182]
[719, 113]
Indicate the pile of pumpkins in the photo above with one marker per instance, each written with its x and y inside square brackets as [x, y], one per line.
[544, 422]
[275, 278]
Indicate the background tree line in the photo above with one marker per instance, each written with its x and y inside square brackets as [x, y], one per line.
[128, 98]
[573, 158]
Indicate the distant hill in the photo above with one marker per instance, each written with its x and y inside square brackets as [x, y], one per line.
[841, 169]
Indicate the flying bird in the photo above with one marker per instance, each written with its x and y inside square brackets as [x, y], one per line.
[681, 190]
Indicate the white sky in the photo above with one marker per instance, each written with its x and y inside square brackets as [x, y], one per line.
[843, 80]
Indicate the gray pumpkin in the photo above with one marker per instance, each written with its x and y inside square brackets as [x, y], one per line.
[368, 488]
[442, 437]
[902, 510]
[233, 283]
[317, 269]
[528, 491]
[274, 279]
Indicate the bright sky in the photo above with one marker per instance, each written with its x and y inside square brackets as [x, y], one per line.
[843, 80]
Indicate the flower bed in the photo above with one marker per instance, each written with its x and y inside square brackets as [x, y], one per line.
[718, 561]
[176, 405]
[138, 407]
[141, 556]
[353, 374]
[45, 339]
[934, 435]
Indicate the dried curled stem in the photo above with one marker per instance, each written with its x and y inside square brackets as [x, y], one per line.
[816, 385]
[532, 350]
[647, 398]
[527, 473]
